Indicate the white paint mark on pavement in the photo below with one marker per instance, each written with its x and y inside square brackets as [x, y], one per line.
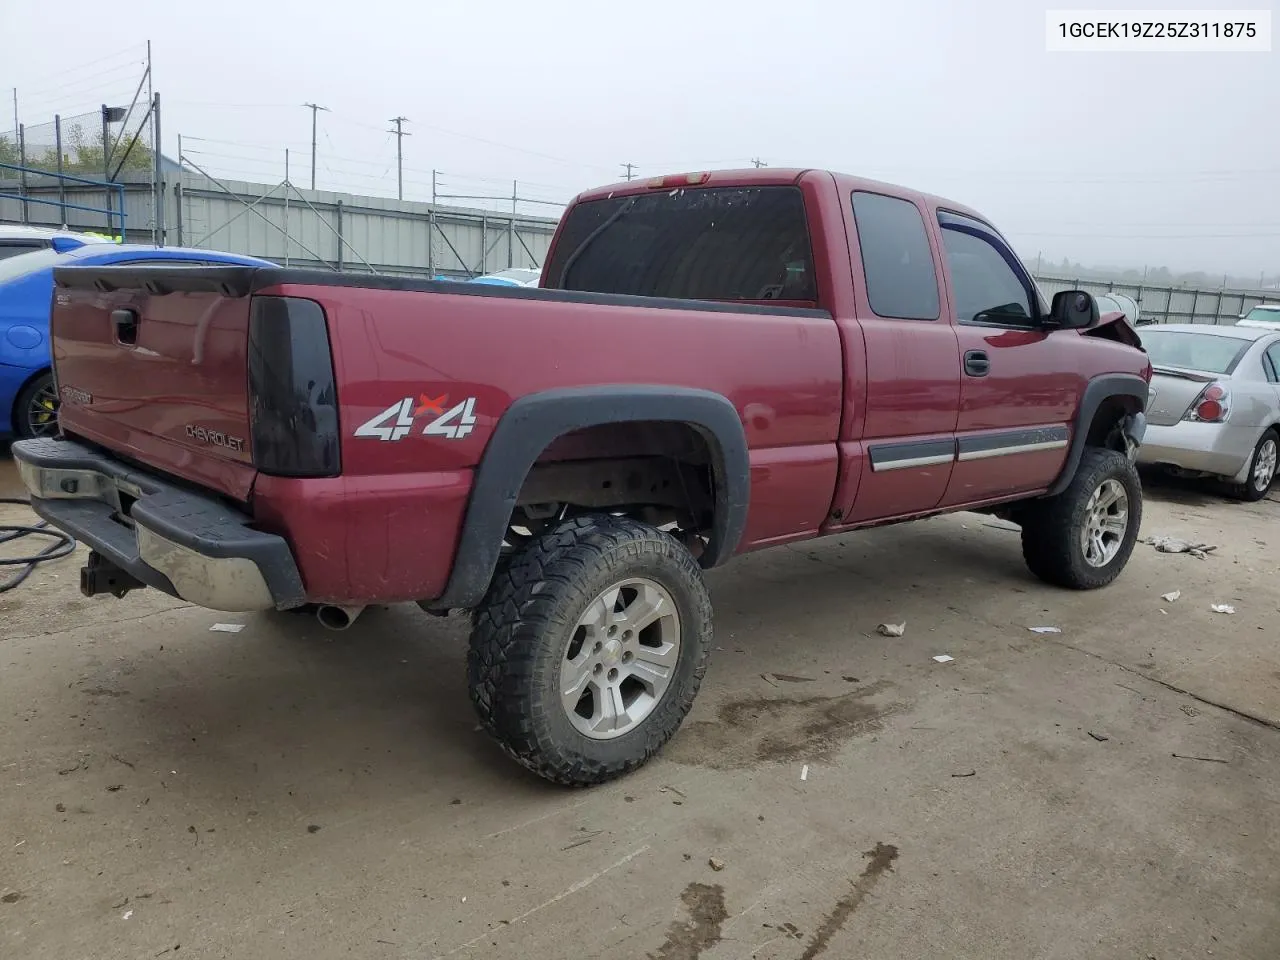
[575, 888]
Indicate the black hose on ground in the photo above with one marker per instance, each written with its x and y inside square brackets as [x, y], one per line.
[62, 546]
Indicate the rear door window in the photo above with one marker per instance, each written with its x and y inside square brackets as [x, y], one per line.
[1271, 363]
[710, 243]
[13, 248]
[896, 259]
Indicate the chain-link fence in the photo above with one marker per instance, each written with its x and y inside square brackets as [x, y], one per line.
[76, 155]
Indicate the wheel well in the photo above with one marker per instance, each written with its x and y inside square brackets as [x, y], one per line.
[660, 472]
[1104, 429]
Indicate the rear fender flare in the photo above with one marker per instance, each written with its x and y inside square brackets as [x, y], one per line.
[530, 425]
[1095, 392]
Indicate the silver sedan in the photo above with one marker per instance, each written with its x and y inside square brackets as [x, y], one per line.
[1214, 407]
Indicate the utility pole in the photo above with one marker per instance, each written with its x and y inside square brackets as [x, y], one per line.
[758, 163]
[314, 108]
[629, 167]
[400, 135]
[15, 115]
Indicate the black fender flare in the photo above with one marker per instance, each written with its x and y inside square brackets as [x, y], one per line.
[533, 421]
[1095, 392]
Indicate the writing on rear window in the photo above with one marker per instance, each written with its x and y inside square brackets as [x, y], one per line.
[709, 243]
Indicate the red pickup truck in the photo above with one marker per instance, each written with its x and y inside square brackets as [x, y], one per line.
[714, 363]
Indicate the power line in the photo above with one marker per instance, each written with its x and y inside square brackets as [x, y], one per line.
[135, 55]
[628, 167]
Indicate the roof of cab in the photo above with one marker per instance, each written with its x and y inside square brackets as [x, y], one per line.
[775, 176]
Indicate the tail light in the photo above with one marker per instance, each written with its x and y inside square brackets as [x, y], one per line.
[293, 397]
[1213, 405]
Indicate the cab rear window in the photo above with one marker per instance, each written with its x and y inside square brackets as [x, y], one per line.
[709, 243]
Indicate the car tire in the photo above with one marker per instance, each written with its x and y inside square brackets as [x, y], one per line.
[555, 671]
[1262, 468]
[38, 394]
[1082, 538]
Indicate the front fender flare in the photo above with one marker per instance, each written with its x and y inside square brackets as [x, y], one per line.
[1095, 392]
[530, 425]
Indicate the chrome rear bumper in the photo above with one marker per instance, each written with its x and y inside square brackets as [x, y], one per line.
[189, 545]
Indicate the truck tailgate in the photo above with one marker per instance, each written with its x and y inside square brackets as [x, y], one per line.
[151, 362]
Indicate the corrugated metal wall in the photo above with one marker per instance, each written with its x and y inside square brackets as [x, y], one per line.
[1170, 304]
[306, 227]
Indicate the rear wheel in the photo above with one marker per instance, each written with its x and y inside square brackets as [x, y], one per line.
[36, 411]
[1262, 468]
[1082, 538]
[589, 649]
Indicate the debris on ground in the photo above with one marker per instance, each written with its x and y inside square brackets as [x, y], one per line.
[226, 628]
[891, 629]
[1183, 756]
[944, 658]
[1171, 596]
[1100, 737]
[586, 837]
[1176, 545]
[1189, 710]
[971, 773]
[792, 678]
[1044, 629]
[804, 772]
[716, 864]
[1222, 608]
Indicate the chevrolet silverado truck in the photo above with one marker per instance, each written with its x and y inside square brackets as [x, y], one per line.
[714, 363]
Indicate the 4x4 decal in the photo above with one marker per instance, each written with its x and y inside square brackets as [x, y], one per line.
[395, 422]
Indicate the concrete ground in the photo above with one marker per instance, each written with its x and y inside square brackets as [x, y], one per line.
[1110, 791]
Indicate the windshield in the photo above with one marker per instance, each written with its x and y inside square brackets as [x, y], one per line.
[25, 264]
[1206, 352]
[1265, 314]
[717, 243]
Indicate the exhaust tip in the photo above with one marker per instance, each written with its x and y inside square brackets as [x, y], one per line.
[334, 617]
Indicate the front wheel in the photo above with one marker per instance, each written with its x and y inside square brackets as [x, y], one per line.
[1262, 468]
[589, 649]
[1082, 538]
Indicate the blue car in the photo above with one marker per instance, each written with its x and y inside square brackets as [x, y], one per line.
[28, 401]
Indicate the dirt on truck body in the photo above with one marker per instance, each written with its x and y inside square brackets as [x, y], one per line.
[715, 363]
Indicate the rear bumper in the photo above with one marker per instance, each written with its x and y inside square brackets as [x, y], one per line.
[1221, 449]
[185, 544]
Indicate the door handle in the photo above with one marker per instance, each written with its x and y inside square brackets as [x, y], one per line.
[126, 324]
[977, 363]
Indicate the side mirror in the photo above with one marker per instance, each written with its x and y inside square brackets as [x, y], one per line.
[1073, 310]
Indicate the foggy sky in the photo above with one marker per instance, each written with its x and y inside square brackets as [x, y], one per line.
[1124, 159]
